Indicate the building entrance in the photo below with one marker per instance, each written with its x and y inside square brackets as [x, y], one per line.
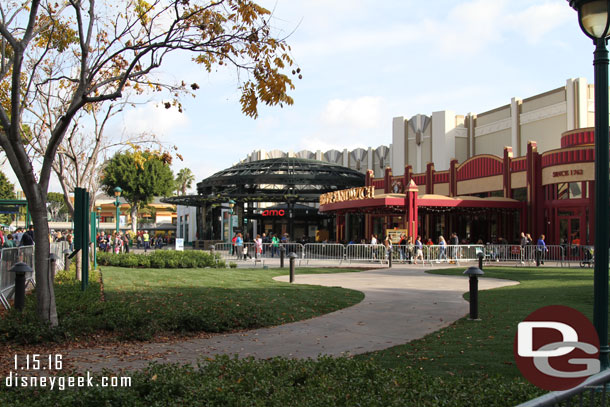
[569, 226]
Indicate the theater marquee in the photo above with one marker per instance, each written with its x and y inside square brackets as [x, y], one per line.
[348, 195]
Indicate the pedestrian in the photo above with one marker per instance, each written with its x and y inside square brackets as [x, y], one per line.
[454, 241]
[258, 242]
[419, 250]
[388, 246]
[9, 242]
[239, 246]
[442, 249]
[118, 244]
[146, 240]
[27, 239]
[541, 249]
[275, 245]
[402, 246]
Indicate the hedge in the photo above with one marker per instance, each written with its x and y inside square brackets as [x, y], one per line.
[162, 259]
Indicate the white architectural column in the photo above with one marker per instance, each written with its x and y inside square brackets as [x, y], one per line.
[345, 158]
[369, 159]
[515, 125]
[398, 148]
[570, 104]
[443, 139]
[582, 103]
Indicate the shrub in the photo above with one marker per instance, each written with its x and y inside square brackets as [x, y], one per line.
[129, 260]
[157, 262]
[143, 261]
[233, 265]
[161, 259]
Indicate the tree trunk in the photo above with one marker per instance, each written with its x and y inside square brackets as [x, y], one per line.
[79, 265]
[134, 218]
[45, 291]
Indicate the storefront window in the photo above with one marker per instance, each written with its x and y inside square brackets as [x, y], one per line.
[575, 190]
[562, 191]
[520, 194]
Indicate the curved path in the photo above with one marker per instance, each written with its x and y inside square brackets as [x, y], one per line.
[401, 304]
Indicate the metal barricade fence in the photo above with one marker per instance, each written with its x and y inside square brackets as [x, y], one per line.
[366, 252]
[324, 251]
[57, 248]
[8, 258]
[529, 255]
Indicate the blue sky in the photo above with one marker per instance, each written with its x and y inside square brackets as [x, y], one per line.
[367, 61]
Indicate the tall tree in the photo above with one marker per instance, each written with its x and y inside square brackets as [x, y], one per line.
[90, 51]
[7, 191]
[184, 180]
[56, 206]
[141, 175]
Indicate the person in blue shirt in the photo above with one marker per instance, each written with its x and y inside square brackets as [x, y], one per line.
[239, 246]
[541, 249]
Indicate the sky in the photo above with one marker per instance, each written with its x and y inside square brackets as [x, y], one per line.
[366, 61]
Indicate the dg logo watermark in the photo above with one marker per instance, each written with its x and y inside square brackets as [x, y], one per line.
[556, 348]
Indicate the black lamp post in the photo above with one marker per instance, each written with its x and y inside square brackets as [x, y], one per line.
[231, 205]
[117, 194]
[594, 21]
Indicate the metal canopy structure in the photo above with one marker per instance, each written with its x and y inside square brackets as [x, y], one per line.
[274, 180]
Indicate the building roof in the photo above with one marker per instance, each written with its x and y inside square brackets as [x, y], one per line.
[286, 179]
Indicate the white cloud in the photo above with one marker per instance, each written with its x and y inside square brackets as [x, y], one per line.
[536, 21]
[154, 118]
[362, 113]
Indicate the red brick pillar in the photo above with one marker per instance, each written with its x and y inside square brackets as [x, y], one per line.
[453, 177]
[507, 185]
[387, 180]
[430, 178]
[535, 203]
[411, 209]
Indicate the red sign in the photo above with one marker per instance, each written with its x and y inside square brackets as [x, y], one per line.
[273, 212]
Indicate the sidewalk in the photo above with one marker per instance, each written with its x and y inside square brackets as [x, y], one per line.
[401, 304]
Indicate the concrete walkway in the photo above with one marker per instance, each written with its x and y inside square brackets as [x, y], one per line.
[401, 304]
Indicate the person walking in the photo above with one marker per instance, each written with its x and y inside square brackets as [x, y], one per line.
[442, 254]
[541, 250]
[402, 247]
[9, 242]
[454, 241]
[239, 246]
[419, 250]
[275, 245]
[27, 239]
[258, 242]
[146, 241]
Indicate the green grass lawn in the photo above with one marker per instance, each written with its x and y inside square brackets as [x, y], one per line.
[211, 300]
[141, 303]
[485, 348]
[469, 363]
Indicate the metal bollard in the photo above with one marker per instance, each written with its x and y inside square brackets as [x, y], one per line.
[389, 257]
[66, 259]
[20, 269]
[53, 264]
[282, 255]
[473, 273]
[292, 256]
[480, 255]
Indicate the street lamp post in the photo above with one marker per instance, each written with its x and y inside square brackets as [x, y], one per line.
[594, 21]
[117, 194]
[231, 205]
[96, 220]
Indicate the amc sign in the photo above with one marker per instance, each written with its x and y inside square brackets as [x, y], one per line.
[273, 212]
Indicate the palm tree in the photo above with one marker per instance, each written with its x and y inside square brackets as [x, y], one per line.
[184, 180]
